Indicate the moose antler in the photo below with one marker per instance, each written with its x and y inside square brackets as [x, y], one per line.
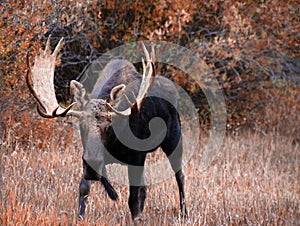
[146, 85]
[40, 81]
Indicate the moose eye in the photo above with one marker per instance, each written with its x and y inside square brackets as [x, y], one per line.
[99, 117]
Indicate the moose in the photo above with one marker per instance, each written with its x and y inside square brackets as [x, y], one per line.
[102, 112]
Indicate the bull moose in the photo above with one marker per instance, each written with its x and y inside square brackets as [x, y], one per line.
[97, 112]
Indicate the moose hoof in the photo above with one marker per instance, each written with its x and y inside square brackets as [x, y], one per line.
[80, 218]
[139, 220]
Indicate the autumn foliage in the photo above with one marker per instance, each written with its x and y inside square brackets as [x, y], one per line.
[251, 46]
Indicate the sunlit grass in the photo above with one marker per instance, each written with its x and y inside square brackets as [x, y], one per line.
[253, 181]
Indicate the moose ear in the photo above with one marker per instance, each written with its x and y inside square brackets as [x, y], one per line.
[79, 93]
[115, 91]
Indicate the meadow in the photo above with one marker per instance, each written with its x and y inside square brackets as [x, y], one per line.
[254, 180]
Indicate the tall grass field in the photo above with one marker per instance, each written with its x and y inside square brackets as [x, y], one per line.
[254, 180]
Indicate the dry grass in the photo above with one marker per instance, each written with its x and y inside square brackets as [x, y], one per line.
[253, 181]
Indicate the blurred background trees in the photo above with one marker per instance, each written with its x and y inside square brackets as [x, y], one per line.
[253, 48]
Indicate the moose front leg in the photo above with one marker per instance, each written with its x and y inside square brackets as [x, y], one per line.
[89, 174]
[137, 191]
[84, 190]
[136, 200]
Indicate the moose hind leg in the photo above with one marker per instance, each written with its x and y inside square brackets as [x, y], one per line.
[180, 182]
[177, 168]
[84, 190]
[175, 158]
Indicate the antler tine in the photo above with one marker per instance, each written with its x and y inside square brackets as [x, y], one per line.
[47, 48]
[128, 101]
[143, 63]
[148, 59]
[58, 47]
[148, 75]
[153, 54]
[64, 113]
